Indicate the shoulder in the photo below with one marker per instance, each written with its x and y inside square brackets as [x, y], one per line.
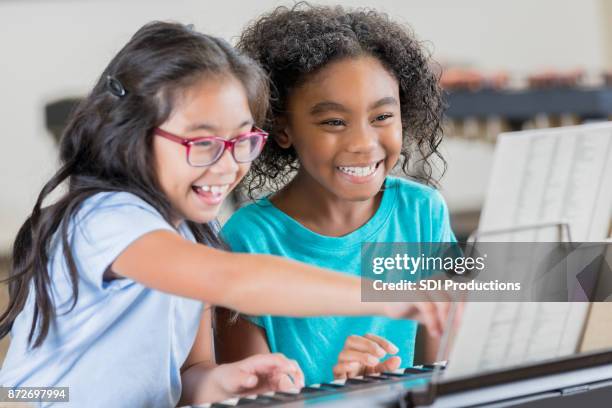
[254, 215]
[416, 199]
[104, 226]
[416, 193]
[110, 200]
[116, 213]
[426, 206]
[117, 204]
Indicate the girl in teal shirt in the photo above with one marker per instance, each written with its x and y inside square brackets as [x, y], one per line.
[352, 97]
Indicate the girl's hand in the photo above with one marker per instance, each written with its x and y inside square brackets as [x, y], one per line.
[258, 374]
[431, 309]
[361, 356]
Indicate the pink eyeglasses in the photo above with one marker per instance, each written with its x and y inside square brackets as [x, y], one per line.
[205, 151]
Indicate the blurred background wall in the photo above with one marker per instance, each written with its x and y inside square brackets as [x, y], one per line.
[52, 49]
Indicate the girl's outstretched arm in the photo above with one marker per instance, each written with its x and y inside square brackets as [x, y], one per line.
[258, 284]
[251, 284]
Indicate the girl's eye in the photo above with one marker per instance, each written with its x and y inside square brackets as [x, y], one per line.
[383, 117]
[334, 122]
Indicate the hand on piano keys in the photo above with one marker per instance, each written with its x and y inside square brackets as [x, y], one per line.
[257, 374]
[430, 308]
[362, 354]
[383, 385]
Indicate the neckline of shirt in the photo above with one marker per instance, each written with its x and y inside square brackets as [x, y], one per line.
[299, 233]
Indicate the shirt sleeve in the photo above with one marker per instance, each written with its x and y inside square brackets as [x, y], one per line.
[104, 227]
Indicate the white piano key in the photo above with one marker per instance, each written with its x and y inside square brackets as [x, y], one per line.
[231, 401]
[339, 381]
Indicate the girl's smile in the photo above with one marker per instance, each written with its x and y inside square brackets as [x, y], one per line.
[360, 173]
[211, 194]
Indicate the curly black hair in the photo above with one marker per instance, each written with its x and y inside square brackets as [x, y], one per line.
[292, 44]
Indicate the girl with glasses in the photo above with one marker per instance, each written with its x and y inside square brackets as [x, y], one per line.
[109, 280]
[353, 97]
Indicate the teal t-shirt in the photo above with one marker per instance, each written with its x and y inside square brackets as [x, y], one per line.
[408, 212]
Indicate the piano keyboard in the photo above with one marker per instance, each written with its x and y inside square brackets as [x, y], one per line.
[367, 389]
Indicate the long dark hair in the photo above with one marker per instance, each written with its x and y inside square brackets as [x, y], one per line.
[107, 146]
[293, 44]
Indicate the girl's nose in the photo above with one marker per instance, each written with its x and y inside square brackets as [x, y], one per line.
[363, 140]
[225, 164]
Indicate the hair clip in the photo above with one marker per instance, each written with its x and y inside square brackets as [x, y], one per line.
[115, 86]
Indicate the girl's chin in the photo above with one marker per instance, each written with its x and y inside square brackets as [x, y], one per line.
[201, 218]
[196, 212]
[361, 195]
[203, 213]
[363, 187]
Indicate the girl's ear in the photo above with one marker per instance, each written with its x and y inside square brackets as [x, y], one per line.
[283, 135]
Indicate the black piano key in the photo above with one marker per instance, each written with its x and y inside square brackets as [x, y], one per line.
[428, 366]
[288, 395]
[433, 366]
[349, 383]
[265, 399]
[396, 375]
[278, 397]
[250, 401]
[358, 381]
[332, 385]
[313, 390]
[412, 370]
[377, 378]
[406, 373]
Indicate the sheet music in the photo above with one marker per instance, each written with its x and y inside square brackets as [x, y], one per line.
[551, 175]
[539, 176]
[500, 335]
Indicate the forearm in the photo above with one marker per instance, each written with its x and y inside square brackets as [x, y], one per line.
[274, 285]
[199, 385]
[252, 284]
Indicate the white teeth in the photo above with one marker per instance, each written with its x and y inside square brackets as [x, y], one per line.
[218, 189]
[215, 189]
[358, 171]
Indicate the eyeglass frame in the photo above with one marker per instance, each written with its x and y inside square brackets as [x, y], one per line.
[227, 143]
